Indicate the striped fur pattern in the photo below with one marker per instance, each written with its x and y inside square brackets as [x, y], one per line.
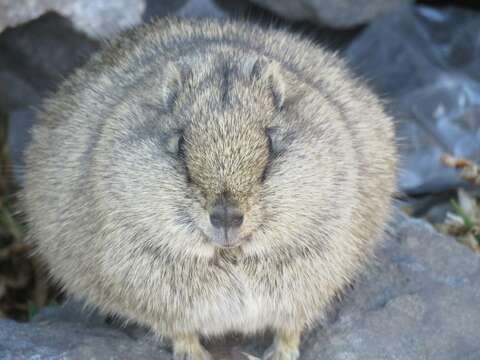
[134, 149]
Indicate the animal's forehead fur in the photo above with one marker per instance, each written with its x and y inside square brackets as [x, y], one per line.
[225, 114]
[221, 93]
[227, 149]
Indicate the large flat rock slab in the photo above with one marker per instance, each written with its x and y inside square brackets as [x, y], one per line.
[96, 18]
[420, 302]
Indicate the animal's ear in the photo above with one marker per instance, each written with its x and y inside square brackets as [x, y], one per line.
[259, 68]
[171, 84]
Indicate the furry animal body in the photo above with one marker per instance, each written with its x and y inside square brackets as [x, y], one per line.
[207, 177]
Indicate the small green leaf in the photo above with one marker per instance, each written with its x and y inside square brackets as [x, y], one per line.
[458, 209]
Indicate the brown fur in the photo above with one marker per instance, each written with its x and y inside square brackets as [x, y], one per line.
[135, 149]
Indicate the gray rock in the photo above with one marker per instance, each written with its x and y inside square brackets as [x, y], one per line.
[426, 63]
[155, 8]
[95, 18]
[20, 123]
[16, 92]
[69, 340]
[333, 13]
[420, 301]
[34, 58]
[37, 55]
[196, 8]
[101, 19]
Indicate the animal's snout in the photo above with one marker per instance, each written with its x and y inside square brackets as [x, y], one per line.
[224, 215]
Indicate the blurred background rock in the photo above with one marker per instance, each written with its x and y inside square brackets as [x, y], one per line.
[421, 57]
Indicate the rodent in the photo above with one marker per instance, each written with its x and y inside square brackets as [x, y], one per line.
[202, 177]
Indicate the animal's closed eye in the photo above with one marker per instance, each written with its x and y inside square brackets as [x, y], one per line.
[276, 140]
[175, 143]
[275, 148]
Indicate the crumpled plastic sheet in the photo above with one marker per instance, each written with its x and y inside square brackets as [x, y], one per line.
[425, 63]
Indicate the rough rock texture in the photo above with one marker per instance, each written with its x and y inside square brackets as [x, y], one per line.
[419, 302]
[96, 18]
[40, 53]
[100, 19]
[194, 8]
[332, 13]
[426, 63]
[34, 58]
[197, 8]
[73, 340]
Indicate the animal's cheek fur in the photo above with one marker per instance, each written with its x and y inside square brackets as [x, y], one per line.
[200, 218]
[252, 206]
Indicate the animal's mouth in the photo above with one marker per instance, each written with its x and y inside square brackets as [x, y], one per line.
[227, 241]
[238, 243]
[226, 237]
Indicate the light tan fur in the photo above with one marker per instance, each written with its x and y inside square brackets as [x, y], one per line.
[135, 149]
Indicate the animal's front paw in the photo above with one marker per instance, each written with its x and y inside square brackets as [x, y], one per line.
[284, 347]
[189, 348]
[276, 352]
[200, 354]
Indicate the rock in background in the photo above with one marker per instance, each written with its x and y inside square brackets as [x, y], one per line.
[333, 13]
[74, 338]
[105, 18]
[420, 303]
[425, 63]
[34, 58]
[96, 18]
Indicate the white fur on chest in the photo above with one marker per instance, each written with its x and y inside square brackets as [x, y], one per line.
[246, 310]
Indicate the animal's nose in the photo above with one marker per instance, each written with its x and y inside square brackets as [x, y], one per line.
[226, 216]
